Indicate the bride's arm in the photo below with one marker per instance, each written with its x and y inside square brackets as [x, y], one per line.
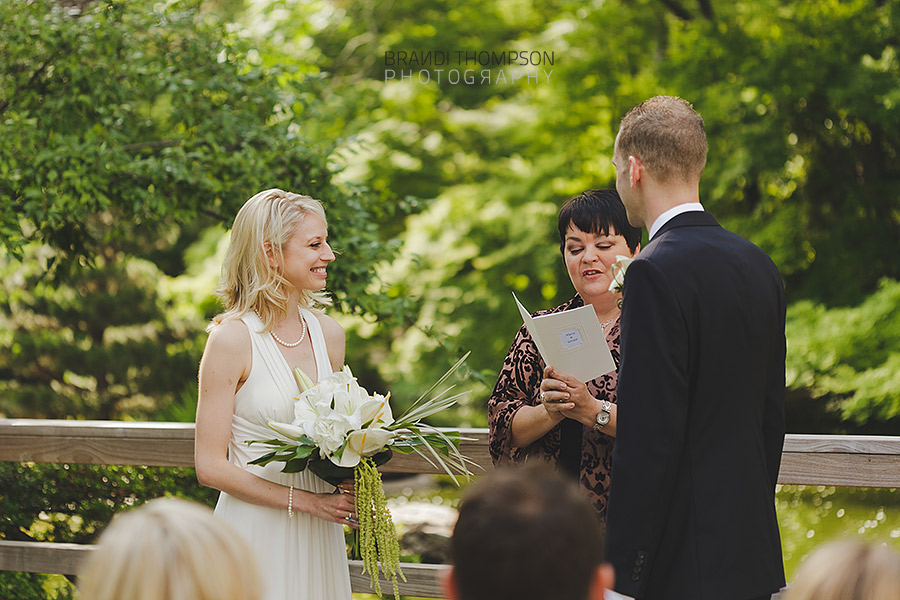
[225, 365]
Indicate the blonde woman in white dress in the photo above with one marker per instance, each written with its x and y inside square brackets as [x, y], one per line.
[273, 275]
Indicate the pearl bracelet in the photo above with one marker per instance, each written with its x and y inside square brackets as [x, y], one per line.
[291, 502]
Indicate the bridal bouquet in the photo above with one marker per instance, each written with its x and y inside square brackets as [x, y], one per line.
[340, 431]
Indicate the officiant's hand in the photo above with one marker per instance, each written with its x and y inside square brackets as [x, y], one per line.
[554, 396]
[576, 401]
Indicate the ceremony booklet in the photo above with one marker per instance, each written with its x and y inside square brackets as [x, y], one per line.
[571, 341]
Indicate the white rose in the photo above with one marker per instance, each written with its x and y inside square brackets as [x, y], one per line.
[330, 431]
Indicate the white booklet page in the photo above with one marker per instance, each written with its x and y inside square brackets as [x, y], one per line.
[571, 341]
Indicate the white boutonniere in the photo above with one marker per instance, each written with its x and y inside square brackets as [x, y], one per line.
[618, 275]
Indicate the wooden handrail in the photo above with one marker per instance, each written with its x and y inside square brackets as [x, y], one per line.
[158, 444]
[843, 460]
[855, 461]
[66, 559]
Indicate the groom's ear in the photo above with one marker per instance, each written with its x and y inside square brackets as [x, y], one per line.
[450, 588]
[635, 169]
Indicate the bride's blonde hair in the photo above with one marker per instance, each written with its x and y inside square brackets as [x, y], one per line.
[249, 282]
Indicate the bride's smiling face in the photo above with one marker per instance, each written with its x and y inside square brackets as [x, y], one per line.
[306, 255]
[589, 258]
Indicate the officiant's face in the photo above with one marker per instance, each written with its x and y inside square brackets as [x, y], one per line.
[307, 254]
[589, 258]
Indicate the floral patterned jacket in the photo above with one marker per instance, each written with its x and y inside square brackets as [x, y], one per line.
[518, 385]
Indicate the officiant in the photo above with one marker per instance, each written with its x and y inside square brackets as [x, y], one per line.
[538, 413]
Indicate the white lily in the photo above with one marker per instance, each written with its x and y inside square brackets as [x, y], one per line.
[377, 410]
[303, 380]
[288, 430]
[618, 272]
[360, 443]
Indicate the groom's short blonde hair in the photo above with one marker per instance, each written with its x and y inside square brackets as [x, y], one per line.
[667, 135]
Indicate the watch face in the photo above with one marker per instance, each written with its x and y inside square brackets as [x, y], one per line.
[602, 417]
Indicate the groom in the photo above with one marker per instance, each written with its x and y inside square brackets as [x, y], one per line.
[701, 382]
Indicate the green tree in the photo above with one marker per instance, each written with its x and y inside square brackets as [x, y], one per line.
[131, 132]
[800, 102]
[135, 125]
[797, 99]
[100, 345]
[130, 129]
[849, 359]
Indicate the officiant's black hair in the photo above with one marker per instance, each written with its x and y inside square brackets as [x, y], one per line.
[596, 211]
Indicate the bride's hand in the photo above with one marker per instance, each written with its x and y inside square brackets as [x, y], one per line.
[347, 486]
[337, 507]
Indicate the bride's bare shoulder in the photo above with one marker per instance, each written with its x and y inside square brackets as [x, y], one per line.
[229, 335]
[329, 325]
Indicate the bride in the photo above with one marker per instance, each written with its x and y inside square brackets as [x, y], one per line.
[274, 272]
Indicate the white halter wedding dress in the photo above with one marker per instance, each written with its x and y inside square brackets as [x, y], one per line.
[300, 558]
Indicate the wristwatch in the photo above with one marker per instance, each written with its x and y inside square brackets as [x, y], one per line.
[603, 415]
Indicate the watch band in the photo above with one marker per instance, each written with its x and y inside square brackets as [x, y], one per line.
[603, 416]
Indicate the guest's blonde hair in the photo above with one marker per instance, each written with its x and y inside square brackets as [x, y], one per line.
[848, 571]
[170, 549]
[249, 282]
[667, 135]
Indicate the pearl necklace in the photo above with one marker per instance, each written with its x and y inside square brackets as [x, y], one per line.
[302, 333]
[606, 324]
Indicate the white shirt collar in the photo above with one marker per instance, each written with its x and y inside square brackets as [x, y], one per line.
[670, 214]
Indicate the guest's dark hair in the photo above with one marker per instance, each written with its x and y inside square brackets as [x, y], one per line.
[596, 211]
[524, 532]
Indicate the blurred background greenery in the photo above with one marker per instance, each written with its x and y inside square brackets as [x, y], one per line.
[130, 133]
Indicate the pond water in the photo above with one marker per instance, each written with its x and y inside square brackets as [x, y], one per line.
[812, 515]
[808, 515]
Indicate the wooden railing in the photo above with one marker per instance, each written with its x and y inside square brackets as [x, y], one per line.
[855, 461]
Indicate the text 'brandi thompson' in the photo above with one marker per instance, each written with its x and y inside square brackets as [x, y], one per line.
[470, 67]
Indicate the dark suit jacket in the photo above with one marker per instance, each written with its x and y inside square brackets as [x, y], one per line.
[701, 418]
